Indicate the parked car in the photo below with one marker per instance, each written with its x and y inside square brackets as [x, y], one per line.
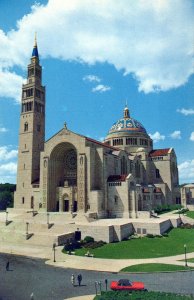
[126, 285]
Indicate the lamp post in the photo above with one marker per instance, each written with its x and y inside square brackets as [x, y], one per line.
[54, 249]
[33, 209]
[27, 230]
[48, 219]
[6, 221]
[99, 283]
[185, 246]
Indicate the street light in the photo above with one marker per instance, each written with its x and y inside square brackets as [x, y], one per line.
[27, 230]
[99, 283]
[185, 246]
[33, 214]
[6, 222]
[54, 249]
[48, 219]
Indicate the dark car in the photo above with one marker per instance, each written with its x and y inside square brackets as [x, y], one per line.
[126, 285]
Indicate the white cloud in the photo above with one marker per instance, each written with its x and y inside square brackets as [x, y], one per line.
[10, 85]
[91, 78]
[186, 171]
[186, 112]
[156, 137]
[6, 154]
[153, 40]
[101, 88]
[9, 168]
[3, 129]
[192, 136]
[176, 135]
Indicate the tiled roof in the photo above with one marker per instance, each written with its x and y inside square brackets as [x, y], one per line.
[114, 178]
[159, 152]
[102, 144]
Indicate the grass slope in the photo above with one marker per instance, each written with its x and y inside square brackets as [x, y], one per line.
[154, 268]
[146, 247]
[190, 214]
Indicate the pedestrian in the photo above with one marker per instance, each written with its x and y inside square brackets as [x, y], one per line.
[73, 280]
[79, 279]
[106, 283]
[7, 266]
[32, 296]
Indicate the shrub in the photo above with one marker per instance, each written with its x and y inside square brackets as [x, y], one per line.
[149, 235]
[165, 234]
[89, 239]
[94, 245]
[167, 207]
[186, 226]
[72, 246]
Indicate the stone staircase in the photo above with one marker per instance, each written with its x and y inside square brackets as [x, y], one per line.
[39, 232]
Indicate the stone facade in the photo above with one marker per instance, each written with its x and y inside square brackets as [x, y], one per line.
[124, 177]
[187, 196]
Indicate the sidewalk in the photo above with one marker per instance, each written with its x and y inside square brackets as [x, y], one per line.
[86, 263]
[85, 297]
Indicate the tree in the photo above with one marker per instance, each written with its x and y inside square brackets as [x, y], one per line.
[6, 200]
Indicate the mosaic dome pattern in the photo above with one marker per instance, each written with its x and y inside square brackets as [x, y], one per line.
[128, 125]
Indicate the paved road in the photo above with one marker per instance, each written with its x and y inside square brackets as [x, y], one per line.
[29, 275]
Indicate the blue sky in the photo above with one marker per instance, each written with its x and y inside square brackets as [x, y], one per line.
[96, 55]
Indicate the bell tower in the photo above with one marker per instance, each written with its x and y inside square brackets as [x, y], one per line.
[31, 133]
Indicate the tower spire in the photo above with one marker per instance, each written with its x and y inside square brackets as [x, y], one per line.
[35, 39]
[35, 48]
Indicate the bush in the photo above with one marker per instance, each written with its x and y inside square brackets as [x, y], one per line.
[89, 239]
[121, 295]
[186, 226]
[149, 235]
[94, 245]
[72, 246]
[165, 234]
[167, 207]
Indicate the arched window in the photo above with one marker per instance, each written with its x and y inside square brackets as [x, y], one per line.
[123, 166]
[26, 126]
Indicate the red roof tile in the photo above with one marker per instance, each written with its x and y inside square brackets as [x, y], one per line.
[101, 144]
[159, 152]
[114, 178]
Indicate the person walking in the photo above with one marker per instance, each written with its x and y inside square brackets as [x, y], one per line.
[7, 266]
[32, 296]
[73, 279]
[79, 279]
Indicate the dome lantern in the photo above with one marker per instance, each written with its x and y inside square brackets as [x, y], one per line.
[126, 112]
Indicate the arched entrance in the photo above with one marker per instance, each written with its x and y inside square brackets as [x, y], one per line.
[62, 177]
[66, 203]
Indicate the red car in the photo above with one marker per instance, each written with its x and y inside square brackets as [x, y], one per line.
[126, 285]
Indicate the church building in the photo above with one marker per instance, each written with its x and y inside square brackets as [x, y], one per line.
[122, 177]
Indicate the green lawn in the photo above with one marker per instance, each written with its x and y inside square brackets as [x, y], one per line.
[154, 268]
[190, 214]
[146, 247]
[140, 296]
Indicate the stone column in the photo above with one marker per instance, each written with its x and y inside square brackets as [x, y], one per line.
[81, 184]
[132, 199]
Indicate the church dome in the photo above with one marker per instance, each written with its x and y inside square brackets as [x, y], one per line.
[127, 125]
[128, 134]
